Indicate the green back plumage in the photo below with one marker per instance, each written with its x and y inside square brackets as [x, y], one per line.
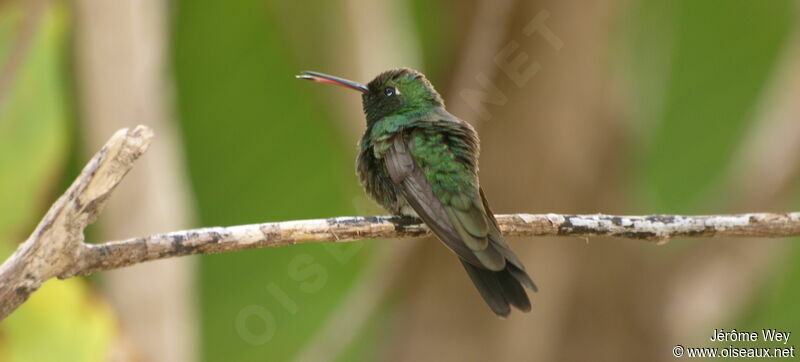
[417, 159]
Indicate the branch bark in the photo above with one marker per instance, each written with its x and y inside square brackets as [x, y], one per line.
[57, 249]
[654, 228]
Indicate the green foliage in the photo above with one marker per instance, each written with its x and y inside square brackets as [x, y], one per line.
[700, 68]
[32, 124]
[717, 57]
[63, 321]
[259, 150]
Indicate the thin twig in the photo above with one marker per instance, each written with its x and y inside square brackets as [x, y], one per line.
[56, 247]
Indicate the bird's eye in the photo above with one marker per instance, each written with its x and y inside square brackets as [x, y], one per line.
[389, 91]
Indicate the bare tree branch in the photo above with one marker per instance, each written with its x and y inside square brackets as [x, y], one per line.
[56, 247]
[654, 228]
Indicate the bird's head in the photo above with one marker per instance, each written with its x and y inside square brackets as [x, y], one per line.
[394, 91]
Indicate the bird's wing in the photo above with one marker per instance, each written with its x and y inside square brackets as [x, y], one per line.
[455, 213]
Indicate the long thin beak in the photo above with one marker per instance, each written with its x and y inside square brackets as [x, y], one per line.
[324, 78]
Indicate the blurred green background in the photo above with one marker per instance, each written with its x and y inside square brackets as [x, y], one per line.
[650, 107]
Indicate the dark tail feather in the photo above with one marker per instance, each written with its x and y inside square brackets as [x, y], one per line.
[513, 290]
[521, 276]
[501, 288]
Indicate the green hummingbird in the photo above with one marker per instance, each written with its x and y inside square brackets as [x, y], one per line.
[418, 160]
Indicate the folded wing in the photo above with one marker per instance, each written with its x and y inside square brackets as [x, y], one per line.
[463, 221]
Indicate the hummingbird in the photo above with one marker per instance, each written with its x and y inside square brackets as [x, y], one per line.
[416, 159]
